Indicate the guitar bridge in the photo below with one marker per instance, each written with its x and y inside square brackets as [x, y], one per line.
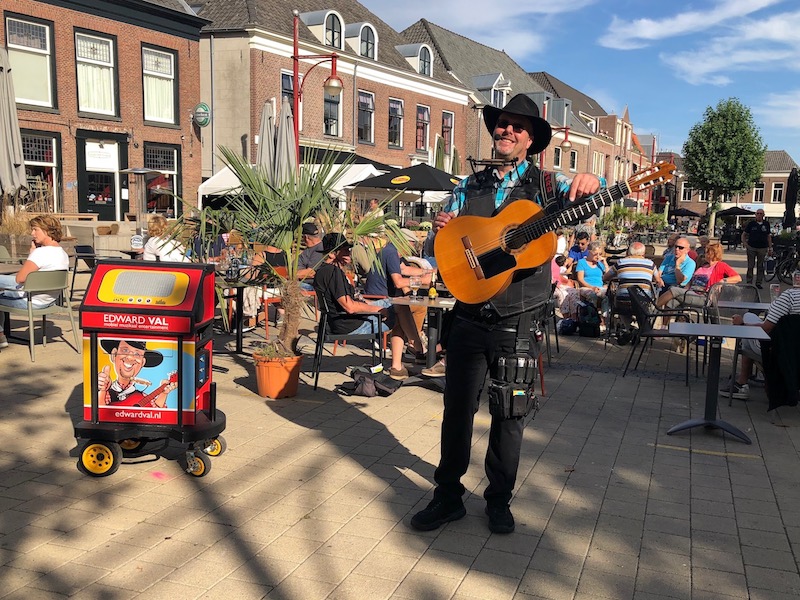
[472, 260]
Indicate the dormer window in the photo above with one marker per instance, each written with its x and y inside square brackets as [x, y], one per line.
[425, 61]
[367, 46]
[333, 31]
[498, 98]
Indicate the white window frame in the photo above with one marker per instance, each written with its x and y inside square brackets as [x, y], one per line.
[778, 189]
[330, 33]
[362, 42]
[165, 79]
[337, 101]
[401, 120]
[556, 157]
[31, 161]
[371, 111]
[425, 66]
[573, 160]
[758, 192]
[686, 193]
[448, 139]
[288, 92]
[426, 127]
[499, 97]
[24, 55]
[85, 104]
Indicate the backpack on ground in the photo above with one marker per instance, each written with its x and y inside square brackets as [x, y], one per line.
[588, 320]
[368, 383]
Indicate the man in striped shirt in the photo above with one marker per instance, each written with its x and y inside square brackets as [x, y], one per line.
[788, 303]
[633, 269]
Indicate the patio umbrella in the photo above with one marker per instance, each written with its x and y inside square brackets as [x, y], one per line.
[285, 146]
[266, 140]
[735, 211]
[789, 218]
[683, 212]
[419, 178]
[12, 164]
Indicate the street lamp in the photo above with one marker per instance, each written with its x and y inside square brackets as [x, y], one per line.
[332, 86]
[565, 145]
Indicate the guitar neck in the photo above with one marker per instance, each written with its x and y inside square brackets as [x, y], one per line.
[576, 211]
[149, 399]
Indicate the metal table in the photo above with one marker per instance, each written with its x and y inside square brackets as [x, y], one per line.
[714, 334]
[436, 309]
[756, 307]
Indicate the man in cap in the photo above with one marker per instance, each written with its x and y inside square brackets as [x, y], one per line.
[331, 282]
[129, 357]
[311, 257]
[480, 334]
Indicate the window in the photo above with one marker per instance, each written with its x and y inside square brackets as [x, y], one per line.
[424, 61]
[395, 122]
[333, 31]
[705, 195]
[160, 99]
[758, 193]
[366, 117]
[498, 98]
[287, 87]
[573, 160]
[598, 163]
[30, 53]
[777, 191]
[447, 131]
[686, 196]
[41, 166]
[96, 74]
[331, 109]
[423, 127]
[556, 157]
[368, 43]
[161, 184]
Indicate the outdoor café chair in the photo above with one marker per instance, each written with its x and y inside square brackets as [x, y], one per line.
[38, 282]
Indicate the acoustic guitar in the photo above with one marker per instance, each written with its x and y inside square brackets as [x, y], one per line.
[148, 400]
[477, 257]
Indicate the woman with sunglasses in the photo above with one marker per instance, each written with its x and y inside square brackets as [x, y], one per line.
[713, 271]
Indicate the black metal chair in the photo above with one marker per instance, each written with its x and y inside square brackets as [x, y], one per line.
[325, 334]
[645, 312]
[86, 254]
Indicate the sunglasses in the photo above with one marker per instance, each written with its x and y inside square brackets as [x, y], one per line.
[680, 247]
[517, 127]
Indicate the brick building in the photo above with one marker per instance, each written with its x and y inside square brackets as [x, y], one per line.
[101, 87]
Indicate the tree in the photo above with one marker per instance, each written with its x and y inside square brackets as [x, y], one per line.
[724, 154]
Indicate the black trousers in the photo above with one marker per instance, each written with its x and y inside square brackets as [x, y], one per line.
[472, 350]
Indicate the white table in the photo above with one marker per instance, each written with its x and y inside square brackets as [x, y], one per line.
[714, 334]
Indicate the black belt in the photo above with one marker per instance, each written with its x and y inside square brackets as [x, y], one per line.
[483, 324]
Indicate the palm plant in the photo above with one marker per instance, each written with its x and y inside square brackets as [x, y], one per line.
[264, 211]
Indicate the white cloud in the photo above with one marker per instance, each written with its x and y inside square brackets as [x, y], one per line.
[625, 34]
[780, 110]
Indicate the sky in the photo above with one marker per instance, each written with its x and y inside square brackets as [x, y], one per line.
[667, 62]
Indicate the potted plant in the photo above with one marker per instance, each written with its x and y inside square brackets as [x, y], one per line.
[270, 212]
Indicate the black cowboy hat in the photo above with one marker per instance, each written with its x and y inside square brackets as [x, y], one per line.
[151, 357]
[523, 106]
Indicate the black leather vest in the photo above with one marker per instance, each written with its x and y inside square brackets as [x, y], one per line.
[530, 288]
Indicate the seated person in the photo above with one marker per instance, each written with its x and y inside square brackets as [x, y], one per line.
[330, 282]
[696, 293]
[590, 269]
[788, 303]
[677, 268]
[632, 269]
[160, 244]
[578, 251]
[311, 257]
[275, 261]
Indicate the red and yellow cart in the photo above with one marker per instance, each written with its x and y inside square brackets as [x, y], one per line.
[147, 340]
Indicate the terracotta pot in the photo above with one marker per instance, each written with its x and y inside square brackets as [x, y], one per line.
[278, 377]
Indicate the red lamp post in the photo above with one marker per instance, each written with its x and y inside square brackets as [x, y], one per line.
[565, 145]
[333, 85]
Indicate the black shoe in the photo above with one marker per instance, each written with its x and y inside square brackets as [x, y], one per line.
[500, 518]
[624, 338]
[437, 513]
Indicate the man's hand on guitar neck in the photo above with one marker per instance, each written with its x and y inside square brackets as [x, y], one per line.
[583, 184]
[442, 219]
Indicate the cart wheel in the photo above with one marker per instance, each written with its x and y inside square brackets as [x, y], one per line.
[99, 459]
[198, 464]
[216, 446]
[132, 446]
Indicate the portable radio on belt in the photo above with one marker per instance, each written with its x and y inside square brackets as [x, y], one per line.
[511, 392]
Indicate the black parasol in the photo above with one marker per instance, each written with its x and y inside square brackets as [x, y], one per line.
[683, 212]
[419, 178]
[789, 218]
[735, 211]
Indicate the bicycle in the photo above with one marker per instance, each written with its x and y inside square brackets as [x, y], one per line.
[788, 265]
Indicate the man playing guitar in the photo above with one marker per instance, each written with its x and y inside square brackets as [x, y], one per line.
[129, 358]
[481, 333]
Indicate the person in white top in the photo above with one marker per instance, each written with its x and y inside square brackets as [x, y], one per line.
[160, 246]
[46, 254]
